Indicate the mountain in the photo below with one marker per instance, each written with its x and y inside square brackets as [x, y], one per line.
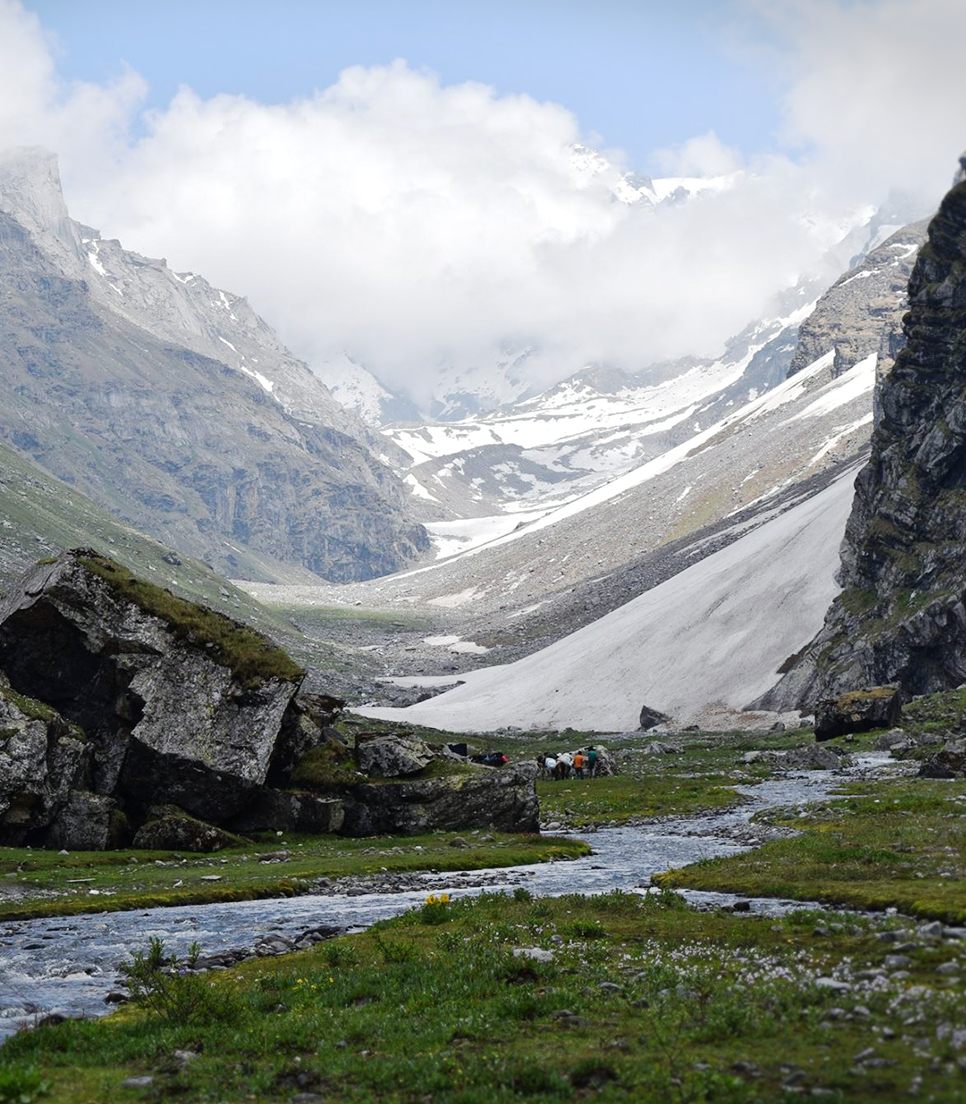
[900, 616]
[753, 460]
[40, 516]
[697, 647]
[173, 405]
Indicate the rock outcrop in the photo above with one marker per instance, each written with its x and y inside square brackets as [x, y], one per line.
[131, 714]
[948, 762]
[861, 313]
[901, 616]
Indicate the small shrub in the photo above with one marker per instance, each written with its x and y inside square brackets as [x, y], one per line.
[330, 765]
[585, 929]
[521, 893]
[166, 986]
[21, 1085]
[339, 954]
[397, 951]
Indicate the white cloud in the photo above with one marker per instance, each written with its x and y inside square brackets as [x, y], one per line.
[415, 224]
[703, 155]
[878, 89]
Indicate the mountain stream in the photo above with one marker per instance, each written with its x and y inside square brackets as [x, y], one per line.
[69, 964]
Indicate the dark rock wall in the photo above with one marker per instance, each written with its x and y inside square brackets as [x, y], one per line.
[901, 617]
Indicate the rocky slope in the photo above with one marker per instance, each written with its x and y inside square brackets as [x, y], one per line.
[861, 313]
[900, 617]
[174, 406]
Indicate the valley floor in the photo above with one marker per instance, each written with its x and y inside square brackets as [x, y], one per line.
[621, 997]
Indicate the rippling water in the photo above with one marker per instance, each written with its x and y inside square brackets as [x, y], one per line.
[69, 964]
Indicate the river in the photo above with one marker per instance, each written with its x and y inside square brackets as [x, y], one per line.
[69, 964]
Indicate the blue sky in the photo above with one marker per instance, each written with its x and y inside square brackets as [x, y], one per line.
[414, 220]
[642, 75]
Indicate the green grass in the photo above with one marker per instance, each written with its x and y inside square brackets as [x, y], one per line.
[665, 1004]
[581, 802]
[935, 713]
[251, 656]
[893, 844]
[51, 884]
[327, 767]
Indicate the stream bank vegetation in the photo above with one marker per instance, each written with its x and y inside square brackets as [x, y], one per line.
[504, 998]
[41, 883]
[888, 844]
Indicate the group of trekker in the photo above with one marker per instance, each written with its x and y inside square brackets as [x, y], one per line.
[580, 764]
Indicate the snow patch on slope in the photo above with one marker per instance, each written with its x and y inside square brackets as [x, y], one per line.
[712, 636]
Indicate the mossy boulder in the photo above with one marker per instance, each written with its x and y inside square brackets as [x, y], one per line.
[182, 704]
[170, 828]
[858, 711]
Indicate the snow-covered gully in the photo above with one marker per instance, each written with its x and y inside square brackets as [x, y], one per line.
[69, 964]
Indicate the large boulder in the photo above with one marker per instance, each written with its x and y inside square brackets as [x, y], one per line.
[475, 797]
[858, 711]
[948, 762]
[169, 828]
[651, 718]
[185, 704]
[382, 755]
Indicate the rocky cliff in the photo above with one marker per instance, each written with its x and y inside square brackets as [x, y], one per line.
[130, 715]
[861, 313]
[901, 616]
[173, 405]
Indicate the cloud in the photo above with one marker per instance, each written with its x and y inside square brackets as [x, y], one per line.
[416, 225]
[877, 90]
[87, 124]
[703, 155]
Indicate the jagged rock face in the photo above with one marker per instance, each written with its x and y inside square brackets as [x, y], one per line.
[175, 407]
[171, 720]
[41, 758]
[861, 313]
[901, 616]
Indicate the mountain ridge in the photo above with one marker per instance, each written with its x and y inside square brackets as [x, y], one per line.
[110, 383]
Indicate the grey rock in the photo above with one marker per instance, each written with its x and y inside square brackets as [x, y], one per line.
[651, 718]
[170, 828]
[896, 961]
[894, 740]
[481, 798]
[386, 756]
[858, 711]
[900, 617]
[948, 762]
[833, 983]
[87, 822]
[537, 954]
[196, 738]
